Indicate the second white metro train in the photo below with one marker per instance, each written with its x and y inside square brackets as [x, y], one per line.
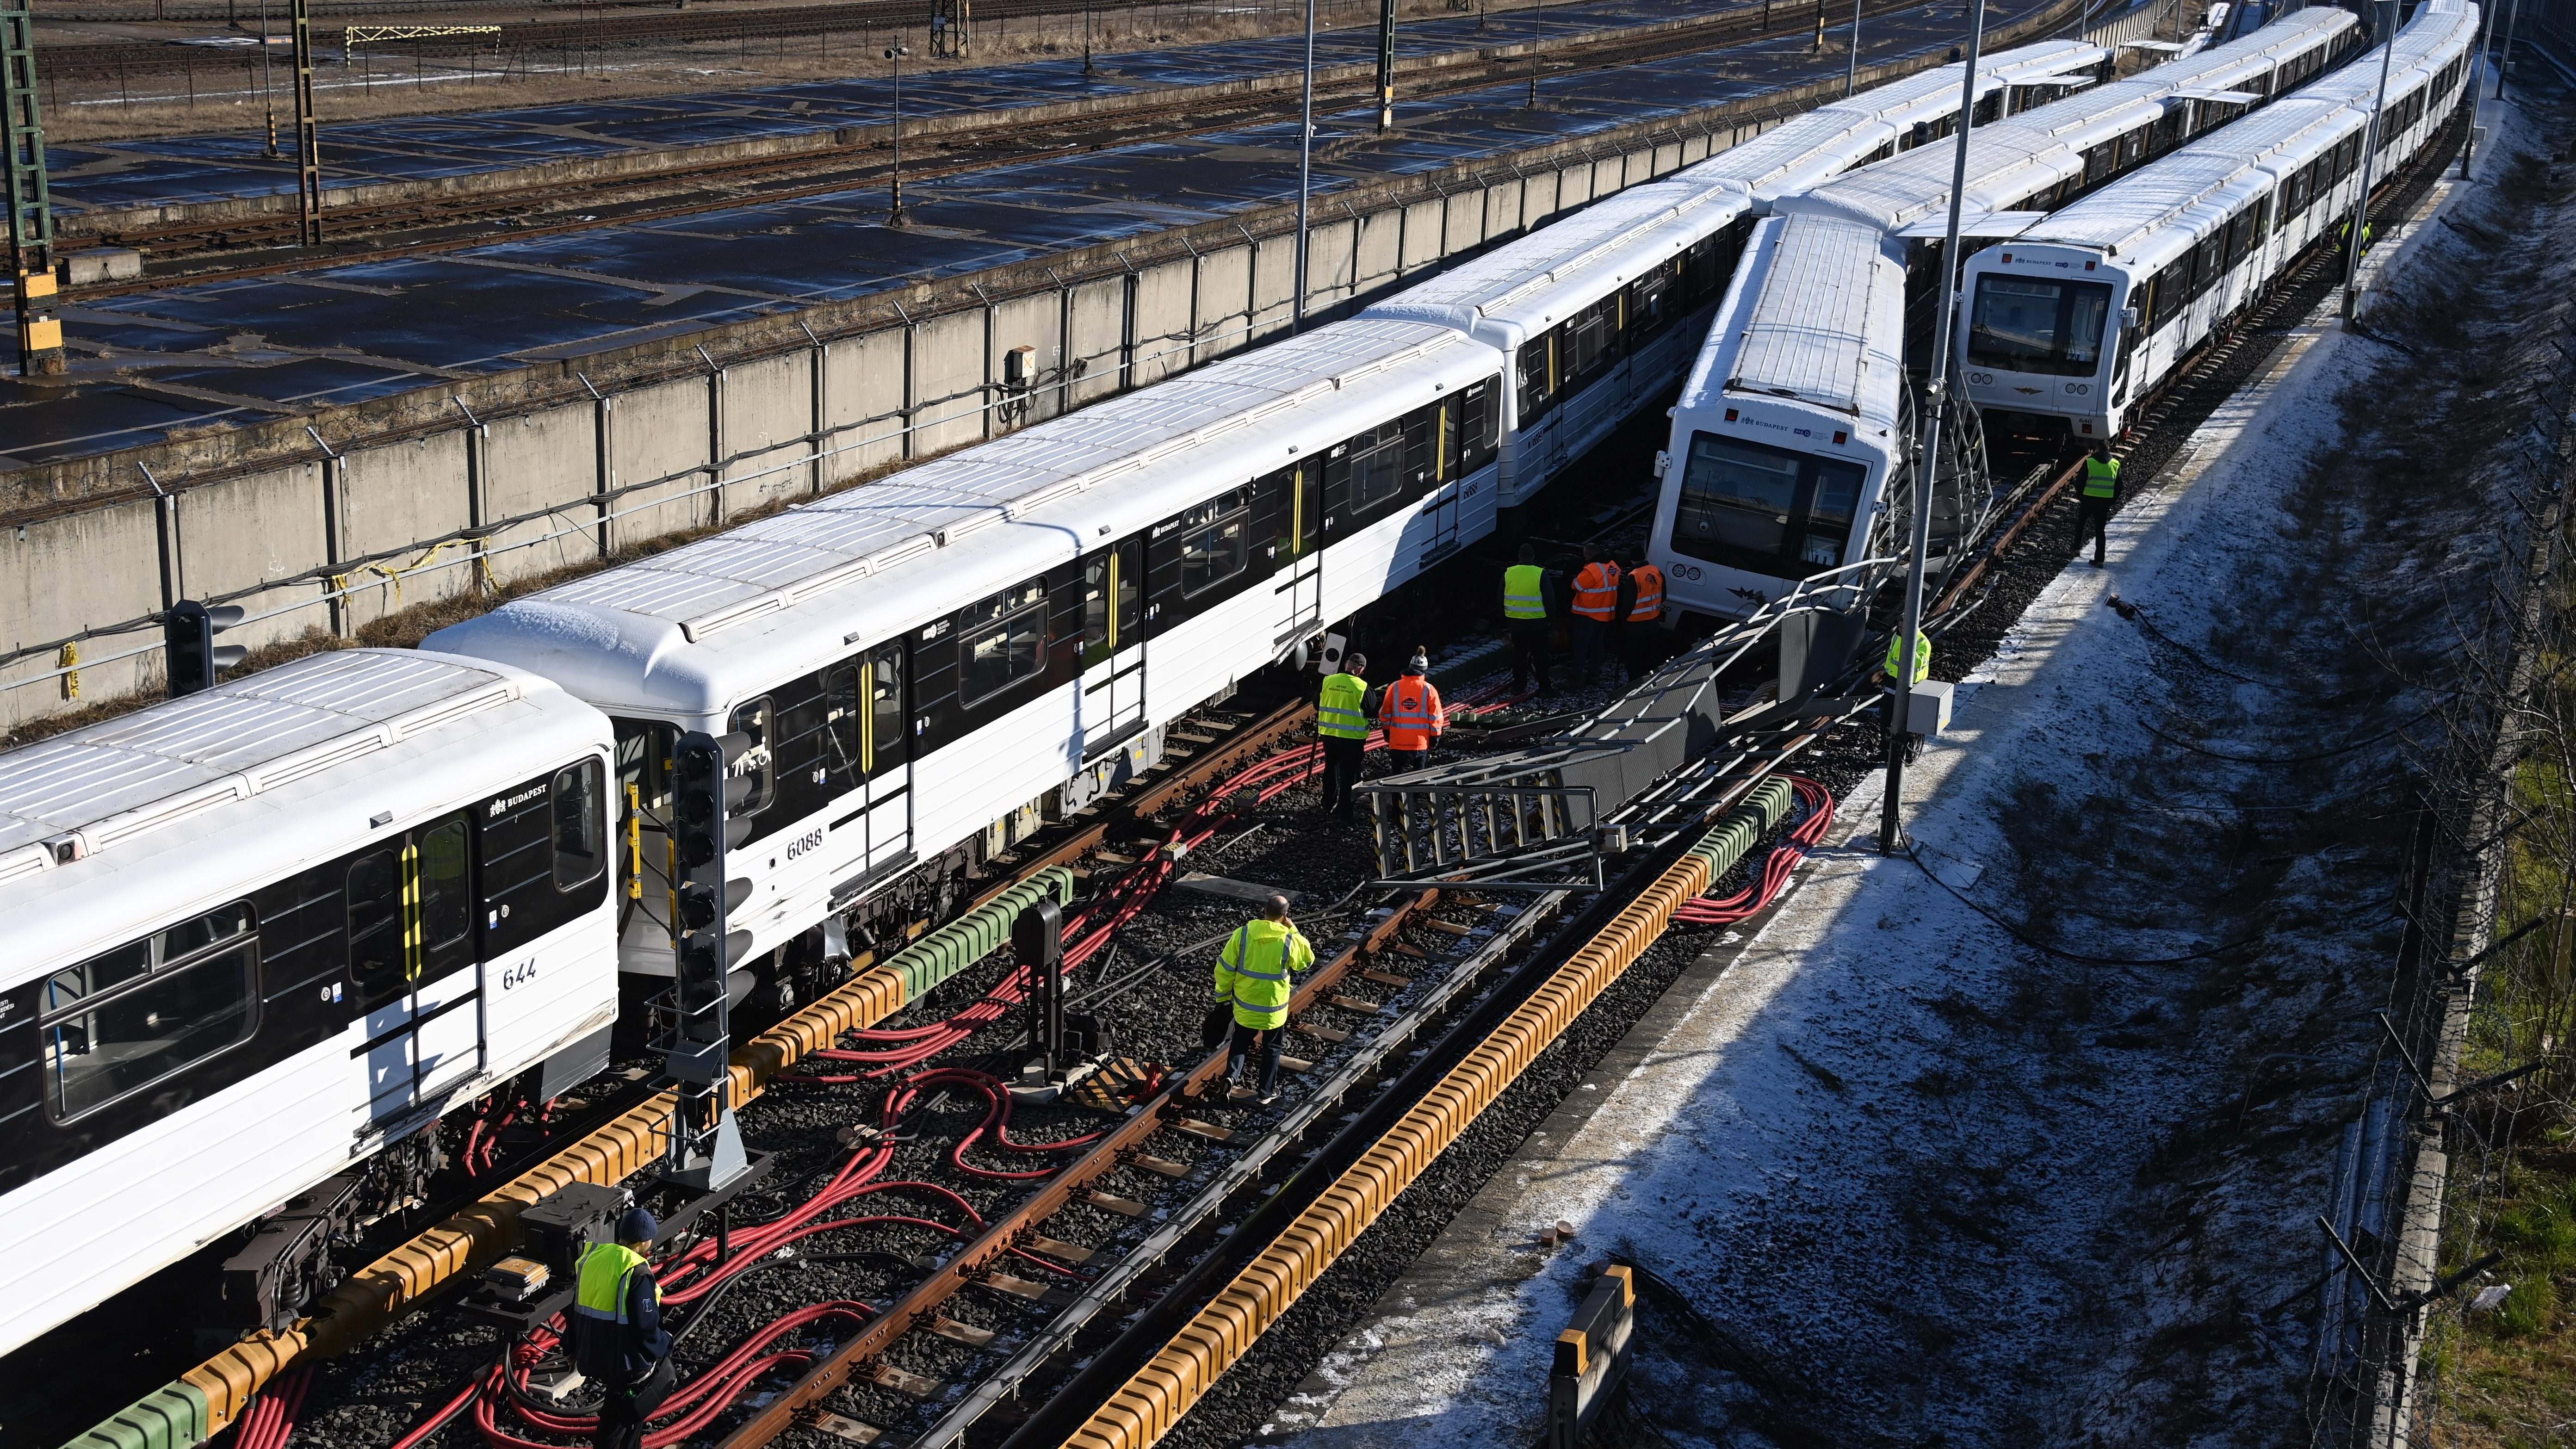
[2073, 324]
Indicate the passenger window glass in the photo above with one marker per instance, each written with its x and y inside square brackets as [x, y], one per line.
[1215, 542]
[886, 734]
[581, 843]
[139, 1013]
[446, 897]
[843, 721]
[759, 764]
[1001, 641]
[375, 920]
[1377, 466]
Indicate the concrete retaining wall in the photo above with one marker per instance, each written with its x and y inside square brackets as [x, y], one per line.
[335, 519]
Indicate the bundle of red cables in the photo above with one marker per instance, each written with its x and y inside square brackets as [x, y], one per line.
[1783, 859]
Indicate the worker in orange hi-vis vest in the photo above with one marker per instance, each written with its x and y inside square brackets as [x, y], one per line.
[1640, 641]
[1596, 604]
[1410, 713]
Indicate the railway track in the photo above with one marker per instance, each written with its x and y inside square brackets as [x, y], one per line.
[267, 244]
[663, 24]
[1138, 1387]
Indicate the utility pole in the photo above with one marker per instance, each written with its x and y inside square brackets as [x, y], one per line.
[1086, 37]
[1927, 472]
[1385, 66]
[2504, 61]
[35, 283]
[2357, 230]
[267, 87]
[1305, 173]
[2478, 84]
[894, 209]
[1851, 72]
[308, 135]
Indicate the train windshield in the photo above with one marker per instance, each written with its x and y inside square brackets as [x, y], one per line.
[1769, 510]
[2034, 324]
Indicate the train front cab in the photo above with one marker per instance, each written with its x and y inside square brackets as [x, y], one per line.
[1758, 495]
[2045, 340]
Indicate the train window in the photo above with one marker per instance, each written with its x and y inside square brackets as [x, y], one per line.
[2207, 261]
[887, 740]
[2240, 237]
[1001, 641]
[2036, 324]
[1588, 338]
[760, 763]
[1650, 298]
[2133, 148]
[1216, 541]
[1758, 507]
[580, 831]
[2294, 193]
[1479, 419]
[1376, 464]
[1112, 594]
[129, 1018]
[2098, 161]
[375, 920]
[1537, 376]
[844, 722]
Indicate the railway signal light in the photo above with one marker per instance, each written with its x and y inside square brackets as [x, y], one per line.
[1037, 937]
[188, 633]
[706, 1147]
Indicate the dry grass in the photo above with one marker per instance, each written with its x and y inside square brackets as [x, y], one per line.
[2509, 1375]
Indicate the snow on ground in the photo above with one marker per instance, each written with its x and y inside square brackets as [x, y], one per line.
[1934, 1186]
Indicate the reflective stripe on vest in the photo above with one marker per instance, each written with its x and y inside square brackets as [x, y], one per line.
[1337, 710]
[1922, 657]
[605, 1268]
[1596, 591]
[1261, 994]
[2101, 477]
[1525, 592]
[1650, 593]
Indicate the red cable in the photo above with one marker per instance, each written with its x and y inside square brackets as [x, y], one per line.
[1776, 867]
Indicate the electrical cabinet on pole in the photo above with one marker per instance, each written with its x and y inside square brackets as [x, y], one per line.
[706, 1145]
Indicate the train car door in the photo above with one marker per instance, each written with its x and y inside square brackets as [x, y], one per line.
[413, 962]
[1439, 515]
[1299, 586]
[1113, 646]
[885, 754]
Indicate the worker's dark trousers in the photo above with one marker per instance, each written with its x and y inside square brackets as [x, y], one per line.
[1246, 1041]
[2092, 516]
[1401, 761]
[1342, 759]
[1529, 655]
[1591, 639]
[621, 1418]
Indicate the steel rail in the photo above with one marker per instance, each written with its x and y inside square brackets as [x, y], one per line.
[919, 1306]
[831, 171]
[209, 1397]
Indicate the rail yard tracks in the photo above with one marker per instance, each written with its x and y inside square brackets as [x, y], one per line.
[266, 243]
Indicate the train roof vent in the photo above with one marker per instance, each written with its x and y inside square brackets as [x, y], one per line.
[127, 777]
[23, 862]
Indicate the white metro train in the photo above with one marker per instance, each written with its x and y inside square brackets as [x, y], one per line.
[2073, 324]
[1595, 314]
[270, 932]
[259, 936]
[1789, 445]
